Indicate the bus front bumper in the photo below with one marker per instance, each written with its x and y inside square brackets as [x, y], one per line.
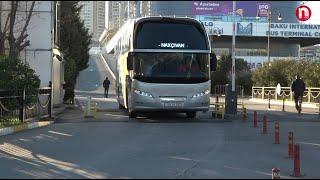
[141, 103]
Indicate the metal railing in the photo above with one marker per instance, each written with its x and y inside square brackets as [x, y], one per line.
[220, 90]
[310, 95]
[18, 106]
[219, 93]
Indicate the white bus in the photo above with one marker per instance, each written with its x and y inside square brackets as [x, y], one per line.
[162, 64]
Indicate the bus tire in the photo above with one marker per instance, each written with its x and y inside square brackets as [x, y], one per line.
[132, 114]
[121, 107]
[191, 114]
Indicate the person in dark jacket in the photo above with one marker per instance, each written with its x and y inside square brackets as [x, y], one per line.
[298, 87]
[106, 84]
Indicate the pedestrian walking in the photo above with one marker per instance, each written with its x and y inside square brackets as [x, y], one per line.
[298, 87]
[106, 84]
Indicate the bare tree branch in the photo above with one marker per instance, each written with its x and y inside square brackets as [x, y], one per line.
[5, 29]
[1, 34]
[20, 37]
[25, 44]
[0, 17]
[12, 45]
[23, 38]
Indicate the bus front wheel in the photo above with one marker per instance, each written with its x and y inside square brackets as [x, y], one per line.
[132, 114]
[191, 114]
[121, 106]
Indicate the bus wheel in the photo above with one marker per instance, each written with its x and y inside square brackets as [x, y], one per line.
[121, 107]
[132, 114]
[191, 114]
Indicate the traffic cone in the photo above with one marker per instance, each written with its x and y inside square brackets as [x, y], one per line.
[296, 162]
[283, 100]
[277, 133]
[244, 118]
[255, 119]
[275, 173]
[264, 128]
[290, 145]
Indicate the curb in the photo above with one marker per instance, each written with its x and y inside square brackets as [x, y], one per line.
[22, 127]
[287, 103]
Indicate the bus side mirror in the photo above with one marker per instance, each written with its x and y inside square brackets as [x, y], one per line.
[213, 62]
[130, 61]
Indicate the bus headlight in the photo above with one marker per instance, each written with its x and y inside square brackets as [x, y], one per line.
[201, 94]
[143, 93]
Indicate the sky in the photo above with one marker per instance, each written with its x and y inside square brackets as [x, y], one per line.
[315, 15]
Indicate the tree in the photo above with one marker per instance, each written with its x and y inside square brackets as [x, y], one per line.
[283, 71]
[15, 76]
[75, 41]
[70, 72]
[222, 75]
[16, 44]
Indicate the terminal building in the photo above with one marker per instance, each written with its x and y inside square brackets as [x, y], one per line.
[287, 36]
[310, 53]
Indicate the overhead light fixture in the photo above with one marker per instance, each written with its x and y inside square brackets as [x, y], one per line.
[279, 17]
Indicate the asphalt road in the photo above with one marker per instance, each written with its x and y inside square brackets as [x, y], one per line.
[91, 79]
[157, 145]
[169, 146]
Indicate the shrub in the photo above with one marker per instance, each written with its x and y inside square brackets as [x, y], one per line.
[222, 75]
[16, 76]
[283, 71]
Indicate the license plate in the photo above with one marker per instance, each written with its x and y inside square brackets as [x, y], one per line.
[173, 104]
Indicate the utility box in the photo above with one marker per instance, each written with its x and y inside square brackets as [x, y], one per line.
[231, 100]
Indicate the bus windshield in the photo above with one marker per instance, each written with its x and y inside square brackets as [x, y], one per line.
[174, 67]
[170, 35]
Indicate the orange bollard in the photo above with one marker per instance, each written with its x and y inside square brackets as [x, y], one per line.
[277, 133]
[290, 145]
[264, 128]
[275, 173]
[244, 117]
[255, 119]
[283, 104]
[296, 162]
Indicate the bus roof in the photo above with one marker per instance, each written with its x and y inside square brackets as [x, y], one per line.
[130, 23]
[165, 17]
[114, 40]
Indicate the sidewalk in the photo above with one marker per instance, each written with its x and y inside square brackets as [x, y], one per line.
[33, 124]
[280, 102]
[310, 111]
[265, 101]
[108, 107]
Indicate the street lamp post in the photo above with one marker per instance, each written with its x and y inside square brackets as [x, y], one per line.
[268, 48]
[233, 47]
[269, 24]
[231, 94]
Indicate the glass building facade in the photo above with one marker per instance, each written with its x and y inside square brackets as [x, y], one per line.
[249, 47]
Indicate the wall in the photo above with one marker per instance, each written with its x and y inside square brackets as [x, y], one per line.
[39, 54]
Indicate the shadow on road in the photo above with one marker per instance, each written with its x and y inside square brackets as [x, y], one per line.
[168, 117]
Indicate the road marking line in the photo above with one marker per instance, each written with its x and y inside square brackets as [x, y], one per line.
[63, 134]
[97, 99]
[254, 171]
[105, 62]
[116, 115]
[313, 144]
[182, 158]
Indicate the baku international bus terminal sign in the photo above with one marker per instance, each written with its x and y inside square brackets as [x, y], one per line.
[261, 29]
